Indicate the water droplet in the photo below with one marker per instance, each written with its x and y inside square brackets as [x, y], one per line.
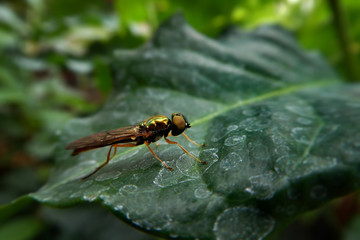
[77, 194]
[230, 161]
[318, 192]
[167, 178]
[251, 224]
[232, 128]
[265, 185]
[127, 189]
[86, 183]
[186, 164]
[249, 190]
[218, 135]
[202, 192]
[108, 175]
[351, 149]
[304, 121]
[209, 155]
[299, 134]
[287, 164]
[64, 193]
[255, 124]
[139, 224]
[281, 116]
[250, 112]
[234, 140]
[93, 192]
[119, 207]
[300, 109]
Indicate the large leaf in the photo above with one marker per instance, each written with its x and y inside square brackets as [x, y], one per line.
[281, 133]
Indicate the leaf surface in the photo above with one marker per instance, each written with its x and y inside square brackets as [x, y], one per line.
[281, 132]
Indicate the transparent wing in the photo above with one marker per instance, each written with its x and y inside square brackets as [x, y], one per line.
[121, 135]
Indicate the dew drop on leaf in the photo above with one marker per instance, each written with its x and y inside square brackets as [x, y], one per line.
[231, 128]
[93, 192]
[167, 178]
[299, 134]
[250, 112]
[107, 175]
[230, 161]
[234, 140]
[304, 121]
[127, 189]
[254, 224]
[186, 164]
[202, 192]
[86, 183]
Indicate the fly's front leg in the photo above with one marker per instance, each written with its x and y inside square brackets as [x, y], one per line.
[172, 142]
[193, 141]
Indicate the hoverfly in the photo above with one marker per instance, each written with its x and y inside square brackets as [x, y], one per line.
[146, 132]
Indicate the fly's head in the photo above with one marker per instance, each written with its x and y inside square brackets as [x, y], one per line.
[179, 124]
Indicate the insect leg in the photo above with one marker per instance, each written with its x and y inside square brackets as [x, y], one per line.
[147, 144]
[115, 146]
[193, 141]
[172, 142]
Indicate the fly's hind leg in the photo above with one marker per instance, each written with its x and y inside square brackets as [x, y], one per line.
[172, 142]
[115, 146]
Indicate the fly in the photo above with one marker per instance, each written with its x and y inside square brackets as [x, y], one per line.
[146, 132]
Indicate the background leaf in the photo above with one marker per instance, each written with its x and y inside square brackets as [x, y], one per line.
[276, 121]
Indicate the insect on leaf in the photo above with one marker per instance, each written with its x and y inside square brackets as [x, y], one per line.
[281, 130]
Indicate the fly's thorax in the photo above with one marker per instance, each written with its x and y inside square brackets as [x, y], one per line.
[156, 127]
[156, 122]
[142, 124]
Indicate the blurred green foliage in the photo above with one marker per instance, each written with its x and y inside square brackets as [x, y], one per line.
[55, 56]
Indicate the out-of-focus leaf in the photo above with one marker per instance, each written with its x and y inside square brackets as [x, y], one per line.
[10, 19]
[21, 229]
[103, 75]
[352, 232]
[89, 222]
[10, 209]
[77, 40]
[281, 132]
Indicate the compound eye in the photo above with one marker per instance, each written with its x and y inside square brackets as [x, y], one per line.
[179, 123]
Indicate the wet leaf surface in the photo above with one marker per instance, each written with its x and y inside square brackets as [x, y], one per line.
[281, 132]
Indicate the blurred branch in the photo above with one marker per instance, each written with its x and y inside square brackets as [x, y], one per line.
[349, 57]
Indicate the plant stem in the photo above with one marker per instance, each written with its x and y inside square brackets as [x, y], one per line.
[349, 57]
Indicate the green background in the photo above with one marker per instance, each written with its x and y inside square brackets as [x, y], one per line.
[54, 66]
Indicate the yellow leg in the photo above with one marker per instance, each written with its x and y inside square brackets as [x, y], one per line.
[193, 141]
[109, 158]
[147, 144]
[172, 142]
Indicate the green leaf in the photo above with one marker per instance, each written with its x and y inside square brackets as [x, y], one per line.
[21, 229]
[90, 222]
[10, 209]
[281, 133]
